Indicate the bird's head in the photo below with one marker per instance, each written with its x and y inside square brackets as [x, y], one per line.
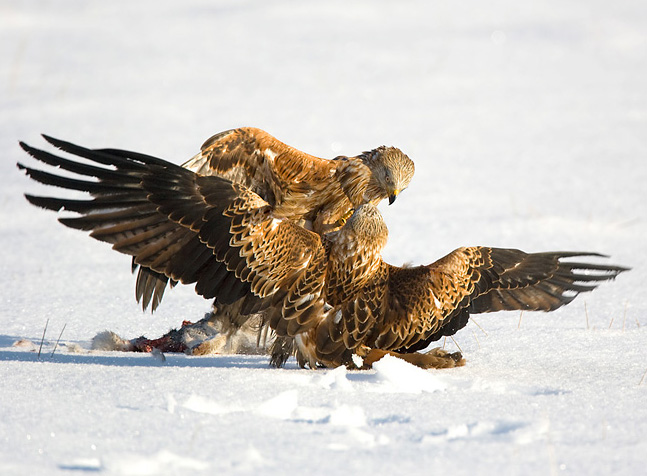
[367, 225]
[391, 172]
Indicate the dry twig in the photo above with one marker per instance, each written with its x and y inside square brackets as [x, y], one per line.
[58, 340]
[476, 338]
[479, 326]
[42, 339]
[456, 343]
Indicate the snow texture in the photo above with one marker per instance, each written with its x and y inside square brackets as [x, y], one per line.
[527, 122]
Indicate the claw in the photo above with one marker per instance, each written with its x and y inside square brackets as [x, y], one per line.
[342, 221]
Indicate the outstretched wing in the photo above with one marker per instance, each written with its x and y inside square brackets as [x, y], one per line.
[120, 213]
[408, 308]
[252, 157]
[191, 228]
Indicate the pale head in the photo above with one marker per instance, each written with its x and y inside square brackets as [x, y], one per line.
[367, 225]
[391, 172]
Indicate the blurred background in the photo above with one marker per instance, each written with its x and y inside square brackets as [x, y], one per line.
[527, 122]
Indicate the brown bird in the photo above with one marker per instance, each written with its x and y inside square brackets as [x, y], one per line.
[299, 186]
[319, 194]
[332, 294]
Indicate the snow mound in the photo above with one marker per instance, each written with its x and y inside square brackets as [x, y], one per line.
[199, 404]
[517, 432]
[163, 462]
[281, 407]
[396, 375]
[336, 379]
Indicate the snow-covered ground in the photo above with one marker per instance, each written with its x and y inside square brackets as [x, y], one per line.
[528, 125]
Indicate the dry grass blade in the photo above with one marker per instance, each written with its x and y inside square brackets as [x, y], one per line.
[42, 339]
[58, 340]
[478, 325]
[476, 338]
[456, 344]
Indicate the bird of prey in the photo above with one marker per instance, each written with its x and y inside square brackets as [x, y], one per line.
[331, 294]
[319, 194]
[299, 186]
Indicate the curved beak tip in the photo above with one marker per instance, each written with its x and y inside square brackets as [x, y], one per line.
[392, 198]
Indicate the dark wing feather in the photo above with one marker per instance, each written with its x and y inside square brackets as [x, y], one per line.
[538, 281]
[150, 286]
[181, 226]
[277, 259]
[495, 279]
[120, 213]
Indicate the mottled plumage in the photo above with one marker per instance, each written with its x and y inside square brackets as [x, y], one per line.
[190, 228]
[319, 194]
[300, 186]
[403, 310]
[333, 294]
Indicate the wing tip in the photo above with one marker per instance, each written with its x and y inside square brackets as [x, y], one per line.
[52, 140]
[32, 151]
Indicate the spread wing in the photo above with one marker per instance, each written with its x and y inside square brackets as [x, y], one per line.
[252, 157]
[405, 309]
[192, 229]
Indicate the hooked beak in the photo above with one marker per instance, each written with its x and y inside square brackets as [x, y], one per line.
[393, 196]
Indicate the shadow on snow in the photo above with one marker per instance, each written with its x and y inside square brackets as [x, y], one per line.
[129, 359]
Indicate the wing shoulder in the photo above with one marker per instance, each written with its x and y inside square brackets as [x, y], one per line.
[256, 159]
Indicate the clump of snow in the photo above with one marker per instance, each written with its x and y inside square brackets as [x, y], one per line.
[281, 406]
[163, 462]
[336, 379]
[158, 355]
[396, 375]
[200, 404]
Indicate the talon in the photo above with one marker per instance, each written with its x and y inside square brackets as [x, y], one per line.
[342, 221]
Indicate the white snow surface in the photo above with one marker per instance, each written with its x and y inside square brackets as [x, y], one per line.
[527, 122]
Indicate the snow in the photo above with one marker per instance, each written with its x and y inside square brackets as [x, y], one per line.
[527, 124]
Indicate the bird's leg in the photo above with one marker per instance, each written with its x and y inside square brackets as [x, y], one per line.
[434, 359]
